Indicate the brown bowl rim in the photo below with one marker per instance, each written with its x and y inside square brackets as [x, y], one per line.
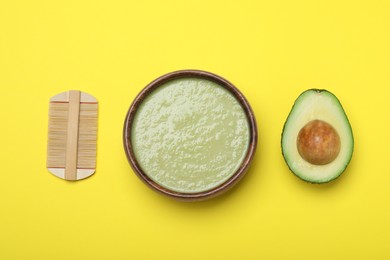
[204, 194]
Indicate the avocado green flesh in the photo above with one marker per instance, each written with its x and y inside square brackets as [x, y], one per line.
[322, 105]
[190, 135]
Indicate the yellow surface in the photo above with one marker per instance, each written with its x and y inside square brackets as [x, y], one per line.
[271, 50]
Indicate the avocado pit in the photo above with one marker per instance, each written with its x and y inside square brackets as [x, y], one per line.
[318, 142]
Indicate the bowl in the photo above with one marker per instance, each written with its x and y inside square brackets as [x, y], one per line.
[190, 135]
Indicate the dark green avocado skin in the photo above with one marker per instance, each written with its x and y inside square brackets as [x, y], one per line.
[284, 126]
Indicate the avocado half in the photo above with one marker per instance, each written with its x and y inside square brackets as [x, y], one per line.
[317, 139]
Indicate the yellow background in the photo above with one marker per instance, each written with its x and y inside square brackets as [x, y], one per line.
[271, 50]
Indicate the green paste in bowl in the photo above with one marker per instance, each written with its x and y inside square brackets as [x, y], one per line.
[190, 135]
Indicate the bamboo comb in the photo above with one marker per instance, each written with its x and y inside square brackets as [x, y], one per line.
[71, 149]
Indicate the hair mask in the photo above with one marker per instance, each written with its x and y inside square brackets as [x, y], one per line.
[190, 135]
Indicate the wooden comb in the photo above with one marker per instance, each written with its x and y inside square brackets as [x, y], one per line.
[71, 149]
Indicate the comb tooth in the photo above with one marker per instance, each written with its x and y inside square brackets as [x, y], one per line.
[87, 136]
[58, 118]
[72, 135]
